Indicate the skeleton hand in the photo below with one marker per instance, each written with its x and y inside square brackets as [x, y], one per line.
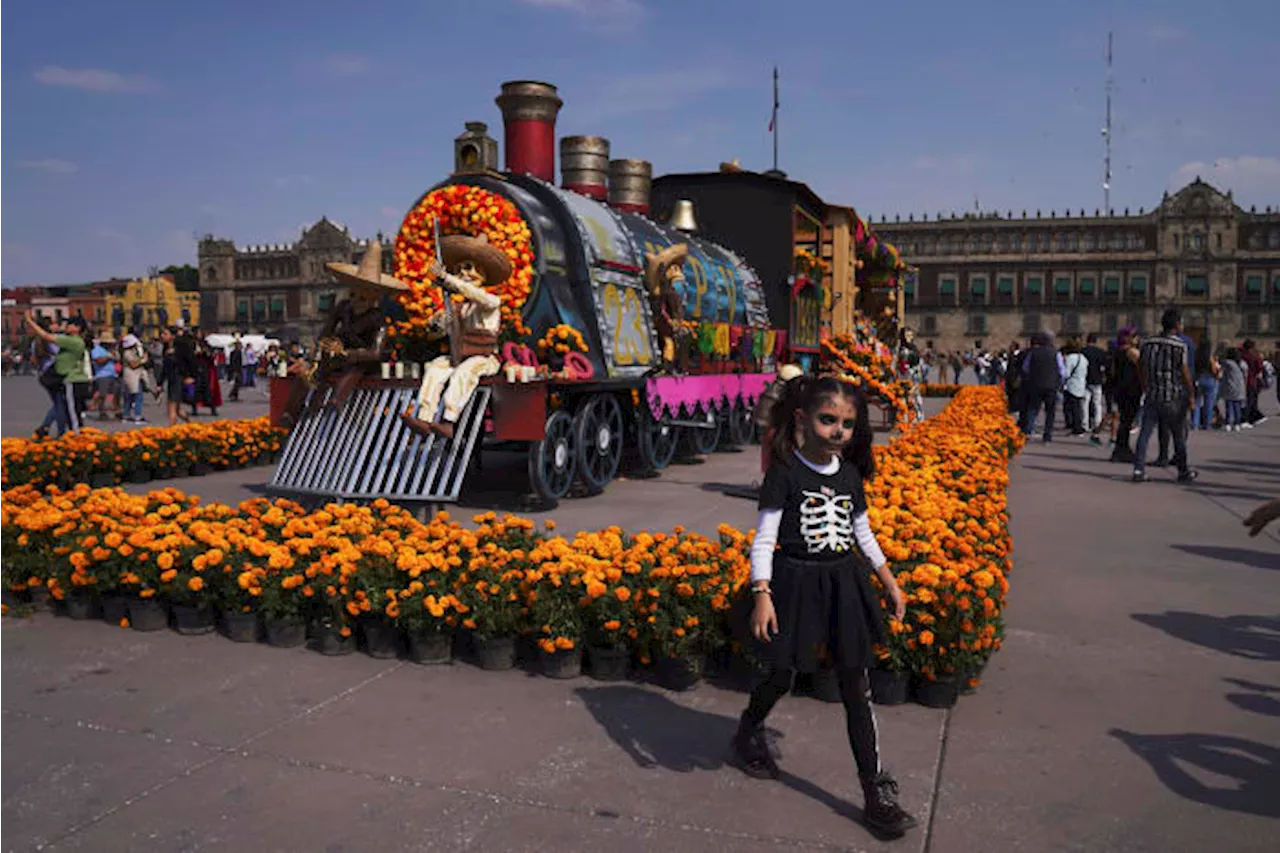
[436, 268]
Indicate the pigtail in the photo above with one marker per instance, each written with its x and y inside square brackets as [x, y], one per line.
[858, 451]
[782, 421]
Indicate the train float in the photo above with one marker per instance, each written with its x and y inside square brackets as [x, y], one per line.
[585, 384]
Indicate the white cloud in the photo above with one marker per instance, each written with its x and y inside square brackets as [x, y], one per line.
[96, 80]
[52, 165]
[1256, 176]
[615, 15]
[345, 65]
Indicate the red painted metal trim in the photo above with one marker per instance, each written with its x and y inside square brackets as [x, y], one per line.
[614, 265]
[600, 192]
[531, 148]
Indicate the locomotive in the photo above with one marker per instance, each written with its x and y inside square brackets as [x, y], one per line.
[581, 266]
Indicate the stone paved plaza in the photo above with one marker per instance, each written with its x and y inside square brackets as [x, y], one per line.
[1135, 706]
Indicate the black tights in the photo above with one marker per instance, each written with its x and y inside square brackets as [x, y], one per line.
[860, 721]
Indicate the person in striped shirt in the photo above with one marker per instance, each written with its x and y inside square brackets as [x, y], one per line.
[1168, 394]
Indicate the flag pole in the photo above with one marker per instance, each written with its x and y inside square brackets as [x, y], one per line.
[773, 124]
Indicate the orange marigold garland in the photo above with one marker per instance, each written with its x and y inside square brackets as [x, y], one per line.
[462, 210]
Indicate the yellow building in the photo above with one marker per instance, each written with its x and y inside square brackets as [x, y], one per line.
[146, 304]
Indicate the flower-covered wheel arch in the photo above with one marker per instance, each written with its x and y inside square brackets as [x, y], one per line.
[462, 210]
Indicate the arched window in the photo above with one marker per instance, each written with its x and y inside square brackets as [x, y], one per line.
[210, 274]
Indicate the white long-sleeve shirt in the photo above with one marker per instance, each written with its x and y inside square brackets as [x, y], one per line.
[766, 541]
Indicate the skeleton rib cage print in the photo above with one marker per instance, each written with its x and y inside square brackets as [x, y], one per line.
[826, 520]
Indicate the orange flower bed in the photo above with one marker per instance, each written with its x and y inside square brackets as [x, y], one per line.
[462, 210]
[938, 506]
[90, 453]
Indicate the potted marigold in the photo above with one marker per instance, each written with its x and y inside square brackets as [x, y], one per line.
[374, 600]
[186, 587]
[283, 606]
[890, 678]
[674, 633]
[608, 616]
[239, 595]
[552, 596]
[146, 612]
[490, 595]
[331, 632]
[429, 621]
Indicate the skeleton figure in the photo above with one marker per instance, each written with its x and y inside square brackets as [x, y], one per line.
[826, 520]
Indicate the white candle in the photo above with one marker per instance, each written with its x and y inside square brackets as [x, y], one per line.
[415, 370]
[399, 370]
[386, 370]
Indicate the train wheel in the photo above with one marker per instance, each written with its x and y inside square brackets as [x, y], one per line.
[552, 461]
[701, 441]
[656, 440]
[597, 431]
[742, 425]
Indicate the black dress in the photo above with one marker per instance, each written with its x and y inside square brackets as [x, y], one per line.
[828, 612]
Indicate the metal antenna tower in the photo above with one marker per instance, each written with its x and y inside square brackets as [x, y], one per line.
[1106, 137]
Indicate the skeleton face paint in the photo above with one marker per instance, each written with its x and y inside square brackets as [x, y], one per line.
[830, 427]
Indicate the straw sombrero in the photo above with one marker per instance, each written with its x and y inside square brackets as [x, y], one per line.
[674, 254]
[106, 338]
[369, 273]
[457, 248]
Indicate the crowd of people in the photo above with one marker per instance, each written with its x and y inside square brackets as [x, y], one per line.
[86, 374]
[1165, 384]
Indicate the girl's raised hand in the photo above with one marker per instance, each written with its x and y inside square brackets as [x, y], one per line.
[764, 621]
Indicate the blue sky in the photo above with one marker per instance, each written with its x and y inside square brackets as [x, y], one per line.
[131, 126]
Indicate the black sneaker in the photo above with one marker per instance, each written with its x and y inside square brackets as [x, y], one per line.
[1139, 477]
[1188, 476]
[751, 753]
[881, 812]
[1160, 463]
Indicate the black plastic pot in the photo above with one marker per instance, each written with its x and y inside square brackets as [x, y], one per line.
[286, 633]
[562, 663]
[381, 638]
[240, 627]
[39, 598]
[162, 474]
[942, 692]
[679, 674]
[140, 475]
[495, 653]
[606, 663]
[182, 472]
[80, 604]
[191, 620]
[102, 480]
[328, 640]
[147, 614]
[890, 687]
[114, 607]
[432, 648]
[199, 469]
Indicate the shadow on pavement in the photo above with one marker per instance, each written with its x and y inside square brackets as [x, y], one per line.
[733, 490]
[1247, 556]
[1250, 464]
[1256, 701]
[1253, 769]
[657, 732]
[1252, 637]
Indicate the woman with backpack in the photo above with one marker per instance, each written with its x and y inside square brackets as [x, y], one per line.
[1074, 387]
[1233, 390]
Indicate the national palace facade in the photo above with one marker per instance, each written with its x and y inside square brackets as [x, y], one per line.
[992, 279]
[283, 289]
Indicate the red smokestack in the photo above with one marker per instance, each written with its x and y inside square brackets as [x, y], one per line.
[529, 110]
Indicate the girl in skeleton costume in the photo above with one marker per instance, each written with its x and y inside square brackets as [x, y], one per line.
[813, 602]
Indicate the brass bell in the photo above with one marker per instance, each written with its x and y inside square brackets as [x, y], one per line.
[682, 218]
